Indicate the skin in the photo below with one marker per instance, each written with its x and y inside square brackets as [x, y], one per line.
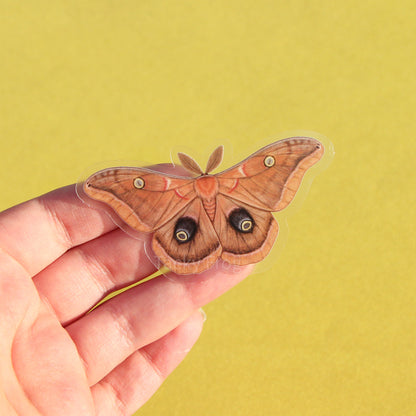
[58, 258]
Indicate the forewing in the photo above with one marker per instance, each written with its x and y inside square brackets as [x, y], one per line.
[244, 247]
[194, 256]
[144, 208]
[270, 178]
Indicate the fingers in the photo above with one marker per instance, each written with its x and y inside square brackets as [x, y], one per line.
[132, 383]
[109, 334]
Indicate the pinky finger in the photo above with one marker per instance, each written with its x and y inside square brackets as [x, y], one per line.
[136, 379]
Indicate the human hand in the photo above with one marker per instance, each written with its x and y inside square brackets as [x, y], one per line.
[58, 258]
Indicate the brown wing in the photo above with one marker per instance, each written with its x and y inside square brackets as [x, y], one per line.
[269, 178]
[144, 199]
[243, 246]
[194, 253]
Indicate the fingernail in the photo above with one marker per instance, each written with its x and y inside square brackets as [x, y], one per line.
[204, 315]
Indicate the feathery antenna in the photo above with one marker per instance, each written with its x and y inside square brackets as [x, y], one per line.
[192, 166]
[189, 164]
[215, 159]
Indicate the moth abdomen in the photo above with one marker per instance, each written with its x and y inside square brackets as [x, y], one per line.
[210, 206]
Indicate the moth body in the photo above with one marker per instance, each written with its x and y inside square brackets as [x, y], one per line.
[206, 188]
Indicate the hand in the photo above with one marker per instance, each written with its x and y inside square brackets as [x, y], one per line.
[58, 258]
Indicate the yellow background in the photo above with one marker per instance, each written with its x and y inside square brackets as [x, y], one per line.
[330, 328]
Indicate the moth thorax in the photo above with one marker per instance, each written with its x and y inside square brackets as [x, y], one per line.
[206, 187]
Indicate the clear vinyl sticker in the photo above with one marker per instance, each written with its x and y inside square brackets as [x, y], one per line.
[193, 219]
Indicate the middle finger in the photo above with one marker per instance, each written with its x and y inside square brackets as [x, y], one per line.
[84, 275]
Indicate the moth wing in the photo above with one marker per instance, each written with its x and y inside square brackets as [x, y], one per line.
[144, 199]
[249, 247]
[270, 178]
[195, 255]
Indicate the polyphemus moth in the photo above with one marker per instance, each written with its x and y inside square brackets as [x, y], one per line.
[197, 220]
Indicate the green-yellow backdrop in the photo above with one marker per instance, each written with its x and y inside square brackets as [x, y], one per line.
[330, 328]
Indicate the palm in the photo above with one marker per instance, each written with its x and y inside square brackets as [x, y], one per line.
[58, 258]
[42, 350]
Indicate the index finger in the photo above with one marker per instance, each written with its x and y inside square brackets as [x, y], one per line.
[37, 232]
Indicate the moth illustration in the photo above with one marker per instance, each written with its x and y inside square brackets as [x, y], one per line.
[197, 220]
